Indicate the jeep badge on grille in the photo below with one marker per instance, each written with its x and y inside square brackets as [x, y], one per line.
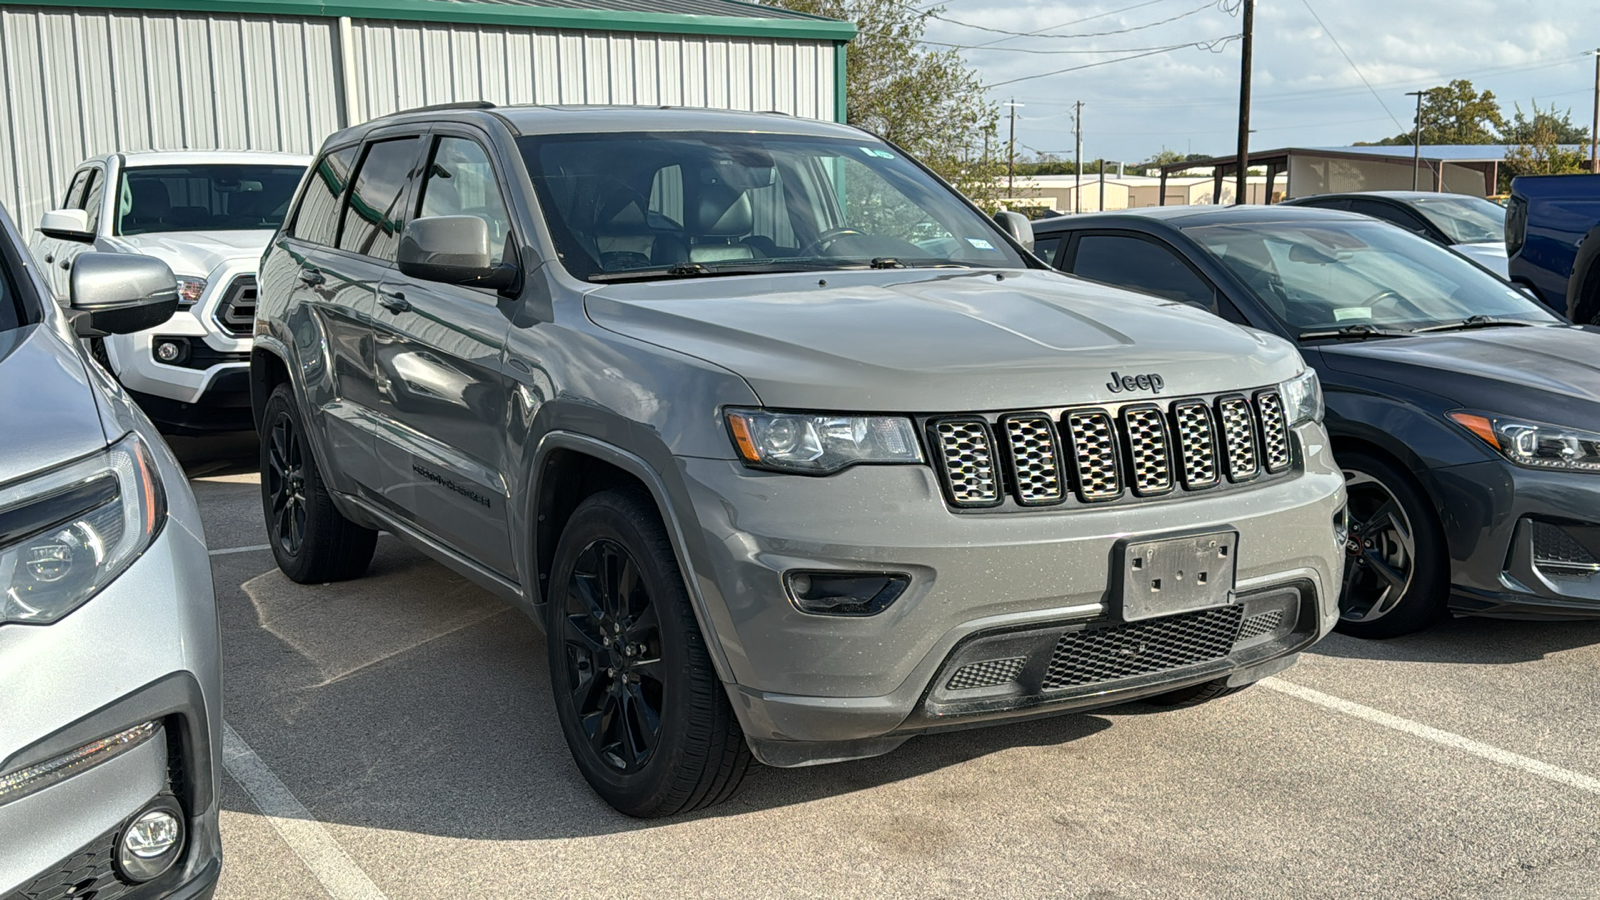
[1150, 382]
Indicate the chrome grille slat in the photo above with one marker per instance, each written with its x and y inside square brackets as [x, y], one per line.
[1092, 434]
[966, 448]
[1035, 456]
[1149, 453]
[1196, 436]
[1239, 438]
[1274, 431]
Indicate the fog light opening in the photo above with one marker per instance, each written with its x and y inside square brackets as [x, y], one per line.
[152, 843]
[171, 351]
[845, 593]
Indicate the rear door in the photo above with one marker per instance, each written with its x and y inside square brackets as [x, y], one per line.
[444, 389]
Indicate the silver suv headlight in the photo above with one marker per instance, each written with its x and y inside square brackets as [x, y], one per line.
[65, 534]
[1536, 445]
[820, 444]
[1302, 398]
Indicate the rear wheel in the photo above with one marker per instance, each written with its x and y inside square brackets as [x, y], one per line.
[311, 540]
[644, 714]
[1396, 576]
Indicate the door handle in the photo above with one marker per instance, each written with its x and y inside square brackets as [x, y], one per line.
[312, 277]
[394, 302]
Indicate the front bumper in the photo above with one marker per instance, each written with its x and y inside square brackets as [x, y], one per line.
[143, 650]
[862, 684]
[1491, 509]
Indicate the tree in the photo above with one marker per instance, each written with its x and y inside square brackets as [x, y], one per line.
[928, 102]
[1544, 124]
[1543, 145]
[1456, 114]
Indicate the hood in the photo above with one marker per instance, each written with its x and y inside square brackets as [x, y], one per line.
[46, 398]
[1539, 372]
[940, 340]
[1489, 254]
[198, 252]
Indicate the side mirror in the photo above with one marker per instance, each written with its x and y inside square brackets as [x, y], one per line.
[452, 250]
[67, 225]
[1018, 226]
[118, 293]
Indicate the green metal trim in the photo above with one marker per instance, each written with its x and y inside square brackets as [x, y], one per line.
[840, 71]
[463, 12]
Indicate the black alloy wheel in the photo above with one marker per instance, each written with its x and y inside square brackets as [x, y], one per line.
[1395, 571]
[612, 640]
[286, 485]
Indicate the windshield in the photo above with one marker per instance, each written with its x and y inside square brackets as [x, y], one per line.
[1464, 220]
[1318, 276]
[204, 197]
[621, 206]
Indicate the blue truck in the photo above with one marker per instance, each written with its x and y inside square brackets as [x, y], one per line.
[1553, 242]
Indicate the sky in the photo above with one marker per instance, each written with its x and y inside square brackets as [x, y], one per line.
[1305, 92]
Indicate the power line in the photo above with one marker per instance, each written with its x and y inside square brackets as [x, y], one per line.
[1351, 62]
[1058, 52]
[1063, 24]
[1034, 34]
[1214, 46]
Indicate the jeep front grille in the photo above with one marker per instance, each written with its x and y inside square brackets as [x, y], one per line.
[236, 314]
[1099, 454]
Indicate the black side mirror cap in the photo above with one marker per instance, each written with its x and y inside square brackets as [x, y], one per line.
[119, 293]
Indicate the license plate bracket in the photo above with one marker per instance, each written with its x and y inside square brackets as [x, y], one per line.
[1176, 574]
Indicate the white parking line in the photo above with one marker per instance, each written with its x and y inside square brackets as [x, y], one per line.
[1444, 738]
[327, 862]
[250, 549]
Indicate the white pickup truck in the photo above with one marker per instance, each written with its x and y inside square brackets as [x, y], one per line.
[208, 215]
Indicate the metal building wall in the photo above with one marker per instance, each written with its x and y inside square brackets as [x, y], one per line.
[79, 82]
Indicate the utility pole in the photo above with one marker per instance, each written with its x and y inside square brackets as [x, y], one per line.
[1011, 151]
[1102, 186]
[1243, 161]
[1416, 139]
[1594, 127]
[1077, 160]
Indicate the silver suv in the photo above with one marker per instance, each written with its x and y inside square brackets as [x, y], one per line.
[792, 451]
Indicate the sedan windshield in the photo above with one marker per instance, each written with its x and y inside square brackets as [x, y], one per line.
[1463, 219]
[660, 205]
[1319, 276]
[204, 198]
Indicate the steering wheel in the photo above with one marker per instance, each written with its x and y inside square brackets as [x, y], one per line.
[828, 236]
[1384, 296]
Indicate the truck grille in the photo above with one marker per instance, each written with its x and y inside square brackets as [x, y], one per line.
[236, 314]
[1098, 454]
[1140, 648]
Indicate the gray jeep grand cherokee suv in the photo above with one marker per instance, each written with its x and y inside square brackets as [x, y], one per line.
[792, 451]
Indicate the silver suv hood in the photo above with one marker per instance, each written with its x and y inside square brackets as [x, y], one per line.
[47, 403]
[939, 340]
[199, 253]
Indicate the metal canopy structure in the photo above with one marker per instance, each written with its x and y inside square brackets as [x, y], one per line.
[1460, 168]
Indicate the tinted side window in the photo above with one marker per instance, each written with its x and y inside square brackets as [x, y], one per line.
[75, 190]
[461, 182]
[372, 216]
[94, 197]
[1319, 203]
[1389, 213]
[317, 220]
[1140, 265]
[1049, 248]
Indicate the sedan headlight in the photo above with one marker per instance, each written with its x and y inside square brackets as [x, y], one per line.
[1536, 445]
[66, 534]
[820, 444]
[1302, 398]
[189, 291]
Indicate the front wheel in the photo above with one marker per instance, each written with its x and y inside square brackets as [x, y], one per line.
[1396, 575]
[311, 540]
[643, 712]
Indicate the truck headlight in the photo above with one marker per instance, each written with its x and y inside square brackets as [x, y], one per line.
[66, 534]
[189, 291]
[1536, 445]
[820, 444]
[1302, 398]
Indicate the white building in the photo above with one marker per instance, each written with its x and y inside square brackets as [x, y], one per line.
[86, 78]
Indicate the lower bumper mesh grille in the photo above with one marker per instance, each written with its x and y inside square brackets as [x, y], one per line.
[986, 674]
[1140, 648]
[87, 873]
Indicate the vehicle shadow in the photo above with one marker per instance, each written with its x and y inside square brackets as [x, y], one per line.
[1469, 641]
[229, 453]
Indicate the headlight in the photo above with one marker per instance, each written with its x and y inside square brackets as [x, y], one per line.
[1302, 398]
[820, 444]
[1535, 444]
[66, 534]
[189, 291]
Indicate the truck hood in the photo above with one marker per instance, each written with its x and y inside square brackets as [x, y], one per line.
[1548, 373]
[191, 253]
[1489, 254]
[940, 340]
[46, 399]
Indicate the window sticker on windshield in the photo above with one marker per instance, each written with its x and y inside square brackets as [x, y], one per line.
[980, 243]
[875, 152]
[1352, 312]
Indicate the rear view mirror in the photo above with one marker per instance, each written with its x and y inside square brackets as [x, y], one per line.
[1308, 254]
[67, 225]
[452, 250]
[1018, 226]
[119, 293]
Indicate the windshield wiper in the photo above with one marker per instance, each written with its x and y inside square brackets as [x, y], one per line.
[1479, 321]
[1355, 333]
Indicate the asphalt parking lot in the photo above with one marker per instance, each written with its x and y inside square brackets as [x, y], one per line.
[393, 737]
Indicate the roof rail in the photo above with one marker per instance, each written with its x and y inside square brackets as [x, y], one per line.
[441, 107]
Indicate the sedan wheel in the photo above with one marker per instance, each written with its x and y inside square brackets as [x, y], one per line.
[1396, 566]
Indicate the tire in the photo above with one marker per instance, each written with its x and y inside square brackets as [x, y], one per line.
[626, 657]
[311, 540]
[1397, 572]
[1196, 694]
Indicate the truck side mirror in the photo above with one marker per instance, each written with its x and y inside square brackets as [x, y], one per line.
[67, 225]
[1018, 226]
